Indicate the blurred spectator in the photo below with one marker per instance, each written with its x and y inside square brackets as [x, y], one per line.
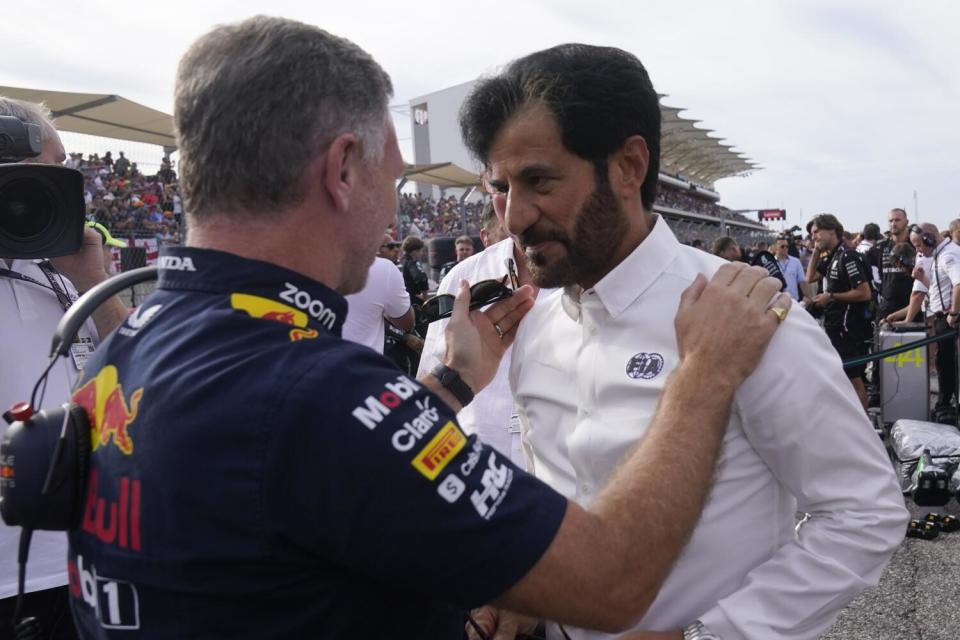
[414, 277]
[491, 231]
[389, 249]
[727, 248]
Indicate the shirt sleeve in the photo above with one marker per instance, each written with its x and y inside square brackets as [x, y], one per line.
[828, 456]
[951, 265]
[856, 270]
[397, 300]
[372, 473]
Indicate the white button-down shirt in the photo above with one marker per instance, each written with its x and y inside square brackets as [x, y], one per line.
[28, 315]
[491, 414]
[587, 372]
[943, 274]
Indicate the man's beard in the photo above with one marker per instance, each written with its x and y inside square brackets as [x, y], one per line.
[599, 228]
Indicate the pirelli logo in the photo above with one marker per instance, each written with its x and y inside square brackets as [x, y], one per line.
[441, 449]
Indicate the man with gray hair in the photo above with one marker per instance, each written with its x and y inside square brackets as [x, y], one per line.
[258, 475]
[34, 294]
[941, 280]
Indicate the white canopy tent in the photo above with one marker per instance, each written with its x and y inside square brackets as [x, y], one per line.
[100, 114]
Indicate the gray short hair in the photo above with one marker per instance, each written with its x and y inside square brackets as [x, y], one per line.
[256, 101]
[29, 112]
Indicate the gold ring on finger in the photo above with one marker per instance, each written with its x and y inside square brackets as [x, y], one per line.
[780, 313]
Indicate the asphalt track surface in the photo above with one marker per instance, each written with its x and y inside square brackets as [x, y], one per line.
[918, 597]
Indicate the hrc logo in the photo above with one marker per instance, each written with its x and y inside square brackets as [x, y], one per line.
[441, 449]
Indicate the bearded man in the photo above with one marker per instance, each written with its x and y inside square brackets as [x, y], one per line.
[570, 140]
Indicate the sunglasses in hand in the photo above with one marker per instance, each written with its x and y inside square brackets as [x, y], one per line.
[481, 294]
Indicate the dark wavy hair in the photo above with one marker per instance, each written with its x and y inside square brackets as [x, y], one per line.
[600, 96]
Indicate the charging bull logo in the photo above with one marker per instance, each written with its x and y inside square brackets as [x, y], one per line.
[259, 307]
[106, 406]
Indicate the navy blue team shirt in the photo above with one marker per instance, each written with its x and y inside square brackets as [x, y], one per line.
[256, 476]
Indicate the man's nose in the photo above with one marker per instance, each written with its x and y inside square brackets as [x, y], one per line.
[519, 213]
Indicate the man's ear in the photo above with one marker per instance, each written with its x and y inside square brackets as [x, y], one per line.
[340, 171]
[628, 167]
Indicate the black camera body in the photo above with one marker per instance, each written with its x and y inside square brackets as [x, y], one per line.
[42, 209]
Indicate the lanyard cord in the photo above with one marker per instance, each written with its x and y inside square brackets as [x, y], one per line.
[58, 288]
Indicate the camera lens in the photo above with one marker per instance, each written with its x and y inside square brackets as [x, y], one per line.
[25, 211]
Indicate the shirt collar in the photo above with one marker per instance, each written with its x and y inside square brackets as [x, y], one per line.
[941, 246]
[276, 289]
[632, 276]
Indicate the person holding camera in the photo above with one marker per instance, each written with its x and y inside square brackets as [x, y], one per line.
[34, 294]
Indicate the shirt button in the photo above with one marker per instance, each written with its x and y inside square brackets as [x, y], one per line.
[586, 488]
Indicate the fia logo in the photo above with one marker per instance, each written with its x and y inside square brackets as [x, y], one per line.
[645, 366]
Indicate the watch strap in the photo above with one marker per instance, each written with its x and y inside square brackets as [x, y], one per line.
[698, 631]
[451, 381]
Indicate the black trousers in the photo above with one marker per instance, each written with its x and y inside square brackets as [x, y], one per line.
[51, 608]
[946, 363]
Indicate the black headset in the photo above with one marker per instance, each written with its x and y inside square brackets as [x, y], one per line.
[926, 237]
[45, 455]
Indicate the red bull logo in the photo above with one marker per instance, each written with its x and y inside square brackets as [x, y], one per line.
[106, 406]
[113, 520]
[303, 334]
[267, 309]
[286, 317]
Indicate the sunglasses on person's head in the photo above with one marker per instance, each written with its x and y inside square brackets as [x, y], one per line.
[390, 245]
[481, 294]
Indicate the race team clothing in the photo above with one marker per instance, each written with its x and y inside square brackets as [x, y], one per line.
[29, 313]
[414, 277]
[895, 285]
[943, 274]
[491, 414]
[254, 475]
[588, 370]
[871, 257]
[847, 324]
[383, 296]
[846, 271]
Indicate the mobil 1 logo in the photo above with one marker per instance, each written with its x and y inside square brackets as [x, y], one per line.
[115, 602]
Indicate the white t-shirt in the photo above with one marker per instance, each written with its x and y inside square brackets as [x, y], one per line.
[28, 315]
[383, 296]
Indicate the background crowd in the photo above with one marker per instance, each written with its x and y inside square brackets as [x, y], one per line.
[132, 205]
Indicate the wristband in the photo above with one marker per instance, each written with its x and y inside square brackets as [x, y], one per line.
[451, 381]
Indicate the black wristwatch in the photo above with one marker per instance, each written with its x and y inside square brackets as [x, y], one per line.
[451, 381]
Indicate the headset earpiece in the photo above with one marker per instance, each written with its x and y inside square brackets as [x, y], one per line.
[46, 463]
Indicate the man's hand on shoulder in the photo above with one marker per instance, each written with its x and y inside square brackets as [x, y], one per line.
[727, 324]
